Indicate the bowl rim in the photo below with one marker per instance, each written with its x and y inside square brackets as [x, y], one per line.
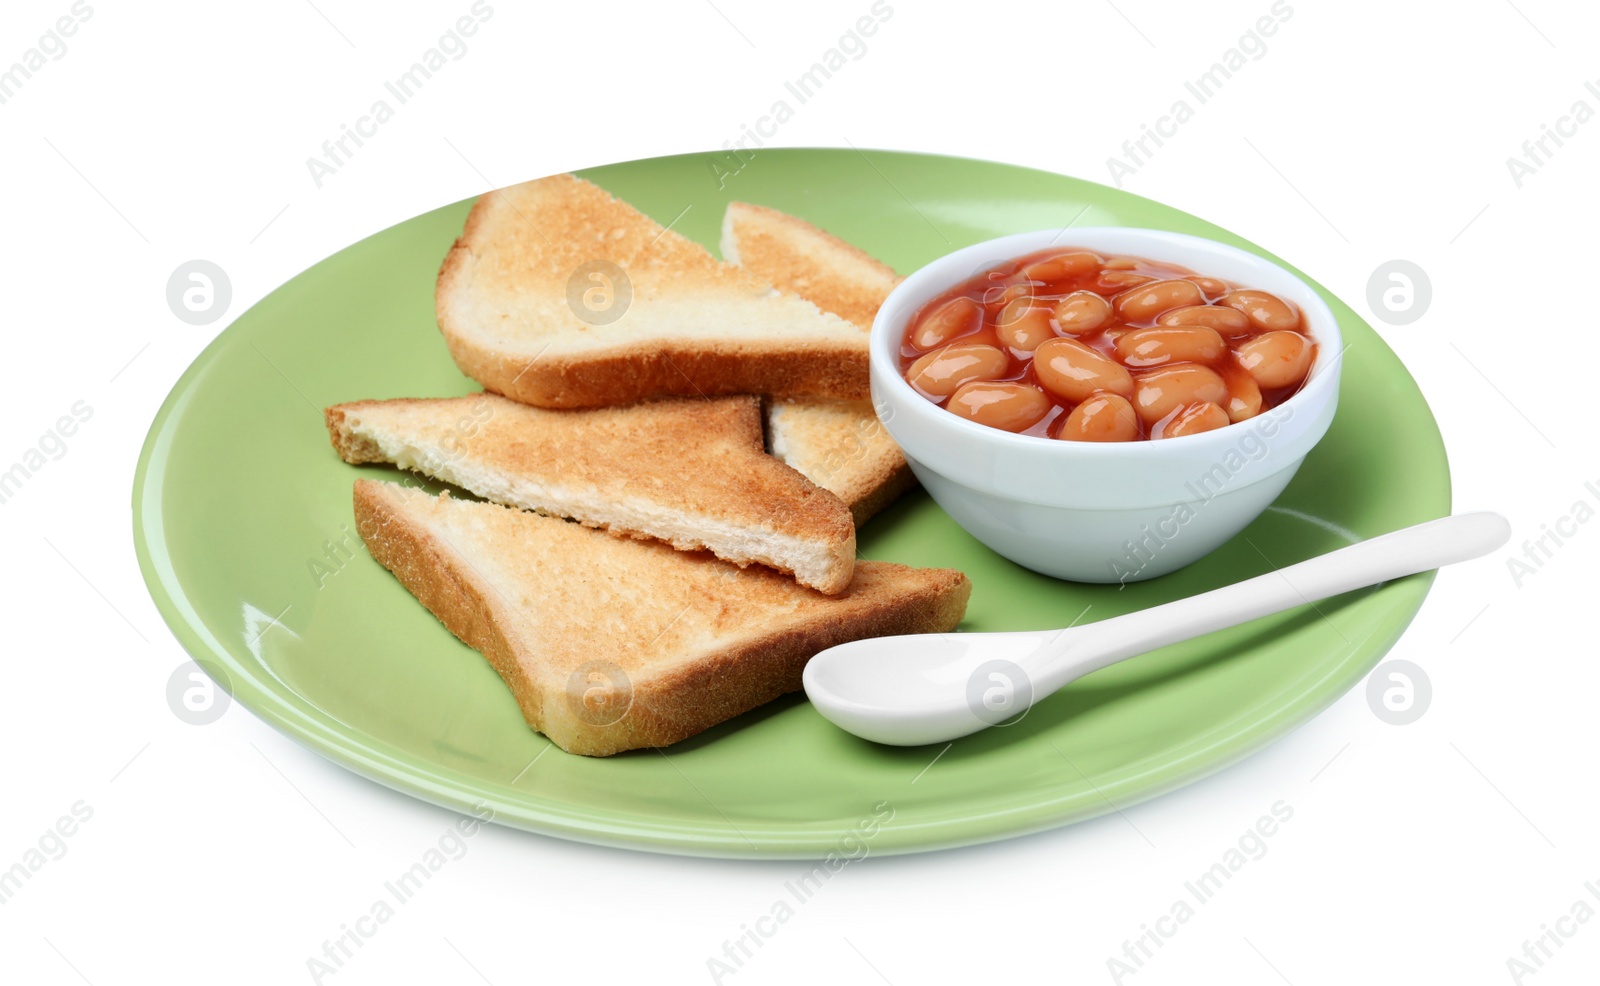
[934, 278]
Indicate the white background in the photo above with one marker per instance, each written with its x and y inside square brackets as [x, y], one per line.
[1368, 131]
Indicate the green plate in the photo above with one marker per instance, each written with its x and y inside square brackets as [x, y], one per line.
[243, 524]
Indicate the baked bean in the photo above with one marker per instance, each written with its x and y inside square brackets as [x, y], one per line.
[1276, 359]
[1159, 392]
[1115, 332]
[1191, 419]
[1023, 325]
[1266, 311]
[993, 283]
[999, 296]
[1163, 344]
[1062, 267]
[940, 372]
[1073, 345]
[1120, 280]
[1083, 311]
[1074, 372]
[1228, 321]
[1008, 406]
[955, 318]
[1244, 396]
[1101, 418]
[1149, 300]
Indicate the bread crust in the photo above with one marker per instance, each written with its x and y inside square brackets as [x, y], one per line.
[669, 695]
[425, 565]
[664, 370]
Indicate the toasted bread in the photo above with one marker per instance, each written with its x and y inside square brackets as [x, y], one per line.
[839, 445]
[690, 472]
[810, 263]
[666, 319]
[843, 448]
[611, 644]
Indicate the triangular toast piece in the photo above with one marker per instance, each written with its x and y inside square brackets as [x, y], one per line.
[839, 445]
[610, 644]
[527, 312]
[690, 472]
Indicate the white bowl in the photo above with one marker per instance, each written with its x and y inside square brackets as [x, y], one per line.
[1113, 512]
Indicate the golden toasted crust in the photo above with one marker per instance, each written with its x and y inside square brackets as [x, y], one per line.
[664, 369]
[693, 326]
[839, 445]
[804, 260]
[611, 644]
[688, 471]
[352, 448]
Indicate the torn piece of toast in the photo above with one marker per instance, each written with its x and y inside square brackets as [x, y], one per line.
[610, 644]
[559, 295]
[690, 472]
[839, 445]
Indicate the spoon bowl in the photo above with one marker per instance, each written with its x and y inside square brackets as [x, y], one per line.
[926, 687]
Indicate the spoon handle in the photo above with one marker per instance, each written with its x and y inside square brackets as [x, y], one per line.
[1389, 556]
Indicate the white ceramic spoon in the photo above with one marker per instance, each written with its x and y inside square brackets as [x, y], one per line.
[933, 687]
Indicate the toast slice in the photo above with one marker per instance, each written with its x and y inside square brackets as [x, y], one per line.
[690, 472]
[610, 644]
[525, 313]
[839, 445]
[797, 257]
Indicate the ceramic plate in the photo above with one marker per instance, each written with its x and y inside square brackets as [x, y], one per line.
[243, 525]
